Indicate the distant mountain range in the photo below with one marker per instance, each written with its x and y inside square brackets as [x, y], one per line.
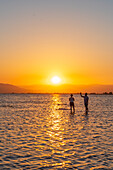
[8, 88]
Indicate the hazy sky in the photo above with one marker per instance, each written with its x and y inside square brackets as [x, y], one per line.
[69, 38]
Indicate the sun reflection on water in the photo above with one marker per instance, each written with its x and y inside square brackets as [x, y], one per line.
[39, 132]
[55, 128]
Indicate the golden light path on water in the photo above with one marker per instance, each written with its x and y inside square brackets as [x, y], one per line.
[38, 132]
[55, 125]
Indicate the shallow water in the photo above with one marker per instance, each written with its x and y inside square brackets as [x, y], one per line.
[38, 132]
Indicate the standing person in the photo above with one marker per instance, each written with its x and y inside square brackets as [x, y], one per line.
[71, 99]
[86, 98]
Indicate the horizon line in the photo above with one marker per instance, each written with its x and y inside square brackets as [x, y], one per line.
[56, 84]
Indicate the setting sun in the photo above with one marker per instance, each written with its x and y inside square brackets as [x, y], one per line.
[56, 80]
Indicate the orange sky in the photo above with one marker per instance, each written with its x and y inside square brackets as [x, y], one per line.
[70, 39]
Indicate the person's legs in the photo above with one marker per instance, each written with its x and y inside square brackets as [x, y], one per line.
[86, 106]
[73, 108]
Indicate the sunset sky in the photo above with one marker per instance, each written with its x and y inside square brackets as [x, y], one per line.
[71, 39]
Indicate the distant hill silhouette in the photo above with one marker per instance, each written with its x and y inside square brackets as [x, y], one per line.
[8, 88]
[65, 88]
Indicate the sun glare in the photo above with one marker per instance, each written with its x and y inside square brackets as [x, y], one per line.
[56, 80]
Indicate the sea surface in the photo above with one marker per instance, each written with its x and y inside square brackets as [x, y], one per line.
[37, 131]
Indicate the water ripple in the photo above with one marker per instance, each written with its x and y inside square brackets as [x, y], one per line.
[38, 132]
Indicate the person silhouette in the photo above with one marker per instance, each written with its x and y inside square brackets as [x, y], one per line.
[86, 98]
[71, 99]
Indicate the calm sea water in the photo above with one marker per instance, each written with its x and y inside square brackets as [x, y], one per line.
[37, 131]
